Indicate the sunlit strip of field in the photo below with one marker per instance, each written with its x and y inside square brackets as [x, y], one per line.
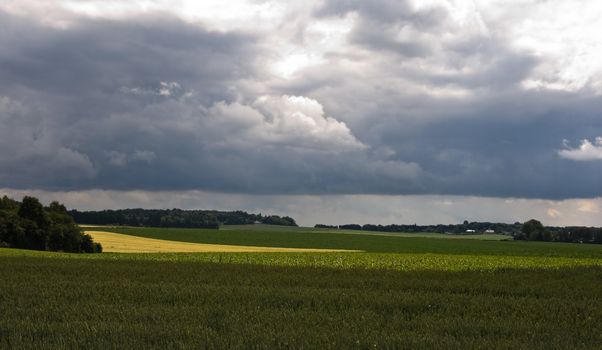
[119, 243]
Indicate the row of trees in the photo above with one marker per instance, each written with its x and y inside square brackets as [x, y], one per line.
[176, 218]
[30, 225]
[477, 227]
[534, 230]
[531, 230]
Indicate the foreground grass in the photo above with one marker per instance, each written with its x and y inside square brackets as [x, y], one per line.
[297, 238]
[50, 300]
[409, 292]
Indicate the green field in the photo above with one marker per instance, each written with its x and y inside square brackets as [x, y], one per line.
[309, 238]
[261, 227]
[409, 293]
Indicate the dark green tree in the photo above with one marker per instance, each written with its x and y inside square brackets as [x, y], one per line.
[534, 230]
[29, 225]
[32, 209]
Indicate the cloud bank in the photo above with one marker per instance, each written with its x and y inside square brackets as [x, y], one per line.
[312, 98]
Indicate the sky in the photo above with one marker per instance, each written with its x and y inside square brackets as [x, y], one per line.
[330, 111]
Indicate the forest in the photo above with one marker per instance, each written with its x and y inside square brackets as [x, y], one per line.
[176, 218]
[30, 225]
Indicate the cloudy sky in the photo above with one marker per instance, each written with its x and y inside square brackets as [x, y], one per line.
[331, 111]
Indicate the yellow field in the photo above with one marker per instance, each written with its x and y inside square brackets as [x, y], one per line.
[119, 243]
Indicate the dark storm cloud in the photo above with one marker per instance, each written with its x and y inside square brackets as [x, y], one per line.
[502, 142]
[507, 147]
[149, 104]
[155, 103]
[69, 96]
[99, 56]
[498, 140]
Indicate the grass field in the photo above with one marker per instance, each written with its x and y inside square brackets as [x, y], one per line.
[407, 293]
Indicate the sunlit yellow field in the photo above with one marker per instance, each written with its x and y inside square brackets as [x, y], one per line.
[119, 243]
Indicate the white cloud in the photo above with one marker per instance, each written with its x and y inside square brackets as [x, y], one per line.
[560, 33]
[165, 89]
[586, 152]
[286, 121]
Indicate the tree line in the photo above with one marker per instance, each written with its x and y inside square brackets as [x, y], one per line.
[534, 230]
[531, 230]
[477, 227]
[30, 225]
[176, 218]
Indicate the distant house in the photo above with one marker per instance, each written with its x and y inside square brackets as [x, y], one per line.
[489, 231]
[470, 231]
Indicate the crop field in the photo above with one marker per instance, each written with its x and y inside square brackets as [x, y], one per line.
[261, 227]
[309, 238]
[120, 243]
[403, 293]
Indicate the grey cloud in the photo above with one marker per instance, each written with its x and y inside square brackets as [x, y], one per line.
[64, 92]
[499, 140]
[380, 22]
[154, 103]
[494, 138]
[100, 56]
[379, 37]
[431, 46]
[503, 69]
[388, 11]
[240, 148]
[500, 146]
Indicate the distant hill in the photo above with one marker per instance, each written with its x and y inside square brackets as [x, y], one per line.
[176, 218]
